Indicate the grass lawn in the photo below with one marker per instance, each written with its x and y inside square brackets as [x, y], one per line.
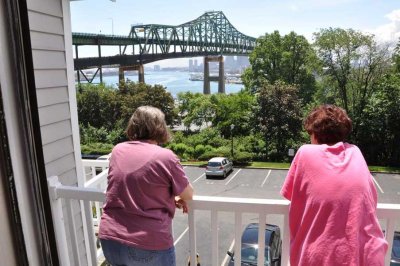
[381, 169]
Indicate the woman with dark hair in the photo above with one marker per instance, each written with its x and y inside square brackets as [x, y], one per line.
[332, 215]
[145, 184]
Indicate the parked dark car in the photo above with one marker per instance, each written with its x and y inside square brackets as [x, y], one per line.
[249, 253]
[395, 259]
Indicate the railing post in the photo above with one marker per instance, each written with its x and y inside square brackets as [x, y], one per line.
[192, 235]
[58, 221]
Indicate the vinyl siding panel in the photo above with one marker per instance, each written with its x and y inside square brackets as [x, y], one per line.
[54, 113]
[48, 7]
[44, 23]
[47, 41]
[51, 78]
[52, 151]
[50, 68]
[44, 59]
[61, 165]
[51, 96]
[56, 131]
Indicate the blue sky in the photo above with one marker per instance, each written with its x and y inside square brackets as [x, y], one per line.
[251, 17]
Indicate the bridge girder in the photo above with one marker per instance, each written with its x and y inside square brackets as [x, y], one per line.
[209, 34]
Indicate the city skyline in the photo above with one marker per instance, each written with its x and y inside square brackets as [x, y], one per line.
[253, 17]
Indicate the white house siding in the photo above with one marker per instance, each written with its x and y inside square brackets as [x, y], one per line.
[47, 27]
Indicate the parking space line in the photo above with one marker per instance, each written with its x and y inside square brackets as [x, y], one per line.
[269, 172]
[198, 178]
[376, 183]
[180, 237]
[227, 256]
[232, 177]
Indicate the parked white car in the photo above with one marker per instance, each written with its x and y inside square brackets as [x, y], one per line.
[218, 166]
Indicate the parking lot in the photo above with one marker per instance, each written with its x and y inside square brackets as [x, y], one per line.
[246, 183]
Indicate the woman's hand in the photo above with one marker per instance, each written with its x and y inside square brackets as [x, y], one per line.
[181, 204]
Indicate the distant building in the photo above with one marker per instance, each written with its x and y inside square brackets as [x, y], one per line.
[191, 69]
[157, 68]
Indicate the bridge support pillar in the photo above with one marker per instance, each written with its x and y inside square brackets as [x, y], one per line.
[220, 78]
[141, 73]
[139, 68]
[121, 74]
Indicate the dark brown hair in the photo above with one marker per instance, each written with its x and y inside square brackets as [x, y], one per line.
[329, 124]
[148, 123]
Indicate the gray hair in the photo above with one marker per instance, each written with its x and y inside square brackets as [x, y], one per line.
[148, 123]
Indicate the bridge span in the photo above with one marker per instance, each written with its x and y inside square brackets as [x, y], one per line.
[211, 35]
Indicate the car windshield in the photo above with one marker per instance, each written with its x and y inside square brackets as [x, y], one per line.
[396, 248]
[250, 255]
[214, 164]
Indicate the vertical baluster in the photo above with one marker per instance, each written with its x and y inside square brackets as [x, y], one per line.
[285, 239]
[261, 239]
[90, 231]
[192, 236]
[214, 236]
[238, 238]
[72, 231]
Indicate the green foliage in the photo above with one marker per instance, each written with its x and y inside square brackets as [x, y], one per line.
[353, 63]
[279, 117]
[288, 58]
[379, 130]
[96, 148]
[242, 158]
[98, 106]
[131, 95]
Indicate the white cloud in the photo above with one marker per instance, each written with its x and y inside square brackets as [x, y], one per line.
[389, 32]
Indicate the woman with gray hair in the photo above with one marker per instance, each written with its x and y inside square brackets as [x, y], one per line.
[145, 184]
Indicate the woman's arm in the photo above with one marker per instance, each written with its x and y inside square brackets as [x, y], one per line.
[180, 201]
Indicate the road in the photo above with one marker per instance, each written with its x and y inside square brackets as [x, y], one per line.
[246, 183]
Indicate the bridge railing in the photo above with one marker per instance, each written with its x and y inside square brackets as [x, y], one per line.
[92, 197]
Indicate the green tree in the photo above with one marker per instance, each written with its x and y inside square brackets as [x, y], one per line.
[288, 58]
[353, 64]
[131, 95]
[279, 117]
[233, 109]
[195, 109]
[98, 106]
[379, 133]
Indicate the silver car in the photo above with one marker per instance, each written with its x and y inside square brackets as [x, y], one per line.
[218, 166]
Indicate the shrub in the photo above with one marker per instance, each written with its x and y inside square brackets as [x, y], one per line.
[242, 158]
[97, 148]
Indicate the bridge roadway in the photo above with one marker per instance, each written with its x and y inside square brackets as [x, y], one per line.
[209, 34]
[254, 183]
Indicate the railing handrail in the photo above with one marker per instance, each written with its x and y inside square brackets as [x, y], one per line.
[387, 211]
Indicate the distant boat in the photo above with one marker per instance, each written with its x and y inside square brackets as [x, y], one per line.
[229, 78]
[196, 77]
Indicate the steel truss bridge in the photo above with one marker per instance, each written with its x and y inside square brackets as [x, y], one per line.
[209, 35]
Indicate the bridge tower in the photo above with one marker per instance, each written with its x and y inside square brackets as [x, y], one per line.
[220, 78]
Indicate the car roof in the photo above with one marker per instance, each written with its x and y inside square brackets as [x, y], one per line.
[250, 234]
[217, 159]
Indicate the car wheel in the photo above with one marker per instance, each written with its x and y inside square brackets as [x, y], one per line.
[207, 176]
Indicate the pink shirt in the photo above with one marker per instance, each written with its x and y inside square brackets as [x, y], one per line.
[143, 180]
[332, 214]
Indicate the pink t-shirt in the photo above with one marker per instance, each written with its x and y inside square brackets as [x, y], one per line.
[332, 215]
[143, 180]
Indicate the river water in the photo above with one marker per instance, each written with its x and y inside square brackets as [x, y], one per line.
[174, 81]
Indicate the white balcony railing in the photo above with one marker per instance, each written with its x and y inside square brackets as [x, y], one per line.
[93, 195]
